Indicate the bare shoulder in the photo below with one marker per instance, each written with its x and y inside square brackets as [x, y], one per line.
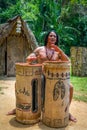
[39, 49]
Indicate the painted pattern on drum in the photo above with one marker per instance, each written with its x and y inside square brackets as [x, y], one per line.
[23, 91]
[59, 89]
[24, 106]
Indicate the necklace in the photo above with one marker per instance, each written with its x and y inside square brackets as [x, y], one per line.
[49, 55]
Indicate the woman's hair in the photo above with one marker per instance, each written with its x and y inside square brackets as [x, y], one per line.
[46, 38]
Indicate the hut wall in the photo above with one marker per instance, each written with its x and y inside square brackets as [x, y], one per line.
[15, 52]
[79, 61]
[14, 49]
[2, 58]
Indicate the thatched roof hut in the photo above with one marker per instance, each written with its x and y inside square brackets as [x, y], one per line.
[16, 43]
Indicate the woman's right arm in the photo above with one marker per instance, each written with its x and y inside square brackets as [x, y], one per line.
[33, 56]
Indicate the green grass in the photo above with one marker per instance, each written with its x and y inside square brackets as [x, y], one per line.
[80, 88]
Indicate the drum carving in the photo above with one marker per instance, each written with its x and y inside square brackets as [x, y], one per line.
[56, 103]
[28, 93]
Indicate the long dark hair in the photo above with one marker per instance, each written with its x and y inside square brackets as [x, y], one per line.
[46, 38]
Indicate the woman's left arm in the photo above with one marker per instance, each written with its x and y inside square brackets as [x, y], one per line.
[62, 55]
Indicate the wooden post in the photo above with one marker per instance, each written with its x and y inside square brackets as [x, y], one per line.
[79, 61]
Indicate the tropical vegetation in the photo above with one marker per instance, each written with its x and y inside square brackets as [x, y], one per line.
[67, 17]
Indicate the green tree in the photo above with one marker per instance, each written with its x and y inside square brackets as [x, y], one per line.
[67, 17]
[74, 19]
[8, 9]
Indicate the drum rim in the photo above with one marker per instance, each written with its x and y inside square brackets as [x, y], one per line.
[59, 62]
[27, 64]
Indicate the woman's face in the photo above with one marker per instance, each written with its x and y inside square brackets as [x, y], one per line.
[52, 38]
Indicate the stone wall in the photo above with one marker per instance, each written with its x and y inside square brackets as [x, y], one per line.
[79, 61]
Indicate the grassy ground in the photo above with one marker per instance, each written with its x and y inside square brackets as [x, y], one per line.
[80, 88]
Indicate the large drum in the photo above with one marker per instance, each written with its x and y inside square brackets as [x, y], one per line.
[56, 100]
[28, 93]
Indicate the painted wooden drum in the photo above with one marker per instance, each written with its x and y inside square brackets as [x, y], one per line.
[55, 112]
[28, 93]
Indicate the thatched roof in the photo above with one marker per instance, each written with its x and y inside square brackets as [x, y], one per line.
[6, 29]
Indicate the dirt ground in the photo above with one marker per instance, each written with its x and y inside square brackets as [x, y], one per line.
[7, 101]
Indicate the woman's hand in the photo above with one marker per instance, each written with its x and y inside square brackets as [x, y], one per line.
[31, 58]
[62, 55]
[54, 47]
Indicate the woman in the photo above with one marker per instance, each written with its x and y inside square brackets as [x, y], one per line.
[50, 51]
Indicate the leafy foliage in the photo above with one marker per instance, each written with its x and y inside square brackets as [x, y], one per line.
[67, 17]
[8, 9]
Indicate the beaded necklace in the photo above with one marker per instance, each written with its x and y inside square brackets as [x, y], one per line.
[49, 58]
